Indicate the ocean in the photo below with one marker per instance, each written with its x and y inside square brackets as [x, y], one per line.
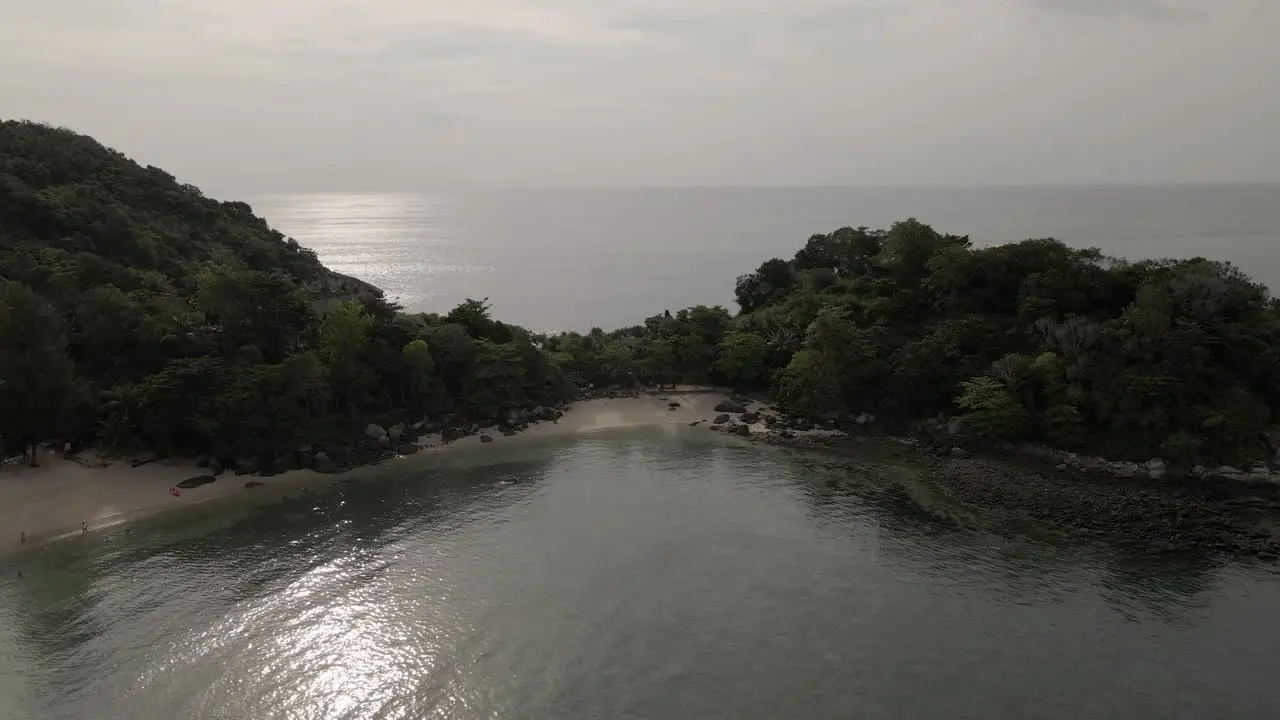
[558, 259]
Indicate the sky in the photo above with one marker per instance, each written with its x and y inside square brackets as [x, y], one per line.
[250, 96]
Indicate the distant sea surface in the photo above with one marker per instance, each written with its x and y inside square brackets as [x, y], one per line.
[576, 259]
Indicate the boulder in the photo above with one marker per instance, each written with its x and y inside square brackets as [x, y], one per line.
[450, 434]
[720, 420]
[742, 430]
[1156, 469]
[322, 463]
[730, 406]
[396, 432]
[282, 464]
[1126, 469]
[373, 432]
[254, 484]
[246, 465]
[384, 442]
[750, 418]
[486, 439]
[196, 481]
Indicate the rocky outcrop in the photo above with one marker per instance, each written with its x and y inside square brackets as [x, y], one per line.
[750, 418]
[730, 406]
[197, 481]
[322, 463]
[720, 420]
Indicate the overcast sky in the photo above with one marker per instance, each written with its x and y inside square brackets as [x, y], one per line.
[246, 96]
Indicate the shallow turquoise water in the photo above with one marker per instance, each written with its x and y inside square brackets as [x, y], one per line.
[648, 574]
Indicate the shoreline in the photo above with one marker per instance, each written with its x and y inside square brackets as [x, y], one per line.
[1167, 516]
[1164, 517]
[48, 503]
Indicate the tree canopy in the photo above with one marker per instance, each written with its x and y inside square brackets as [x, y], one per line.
[134, 311]
[1031, 341]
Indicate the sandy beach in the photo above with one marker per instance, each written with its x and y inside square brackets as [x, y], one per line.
[63, 497]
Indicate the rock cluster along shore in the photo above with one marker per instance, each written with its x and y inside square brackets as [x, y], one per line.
[375, 444]
[1149, 504]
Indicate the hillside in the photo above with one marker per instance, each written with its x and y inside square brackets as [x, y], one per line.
[1030, 341]
[137, 313]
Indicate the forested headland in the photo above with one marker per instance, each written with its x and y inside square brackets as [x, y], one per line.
[1031, 341]
[137, 313]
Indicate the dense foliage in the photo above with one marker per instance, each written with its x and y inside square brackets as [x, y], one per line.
[136, 312]
[1028, 341]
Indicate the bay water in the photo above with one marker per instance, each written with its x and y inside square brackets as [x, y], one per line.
[658, 573]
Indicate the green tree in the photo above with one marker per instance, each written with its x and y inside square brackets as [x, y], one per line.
[36, 381]
[742, 357]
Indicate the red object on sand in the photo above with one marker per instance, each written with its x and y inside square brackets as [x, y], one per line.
[174, 492]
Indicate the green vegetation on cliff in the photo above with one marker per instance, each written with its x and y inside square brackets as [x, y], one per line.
[1028, 341]
[135, 312]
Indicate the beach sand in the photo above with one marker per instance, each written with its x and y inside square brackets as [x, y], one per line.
[52, 501]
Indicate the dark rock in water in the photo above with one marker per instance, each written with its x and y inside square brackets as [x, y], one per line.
[750, 418]
[720, 420]
[450, 434]
[742, 430]
[254, 484]
[717, 428]
[322, 463]
[486, 439]
[695, 423]
[673, 405]
[740, 399]
[507, 431]
[246, 465]
[729, 406]
[196, 481]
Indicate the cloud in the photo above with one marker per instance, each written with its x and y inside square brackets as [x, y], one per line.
[1161, 10]
[350, 94]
